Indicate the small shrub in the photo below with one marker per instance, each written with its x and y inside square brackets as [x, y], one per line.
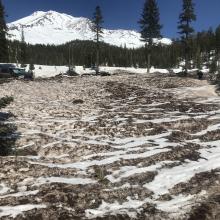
[31, 67]
[5, 101]
[7, 131]
[100, 174]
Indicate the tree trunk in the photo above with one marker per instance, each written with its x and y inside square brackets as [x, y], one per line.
[97, 52]
[218, 65]
[186, 63]
[148, 62]
[97, 59]
[187, 52]
[149, 56]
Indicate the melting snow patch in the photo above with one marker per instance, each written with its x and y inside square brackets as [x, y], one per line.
[175, 207]
[72, 181]
[209, 129]
[168, 178]
[13, 211]
[127, 171]
[130, 207]
[176, 204]
[85, 164]
[19, 194]
[3, 189]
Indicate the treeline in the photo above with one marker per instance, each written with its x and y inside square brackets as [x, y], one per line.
[84, 53]
[191, 50]
[204, 49]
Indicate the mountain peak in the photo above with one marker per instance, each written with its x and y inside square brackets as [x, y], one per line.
[36, 13]
[55, 13]
[41, 13]
[52, 27]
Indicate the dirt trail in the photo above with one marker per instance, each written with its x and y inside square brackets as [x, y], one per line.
[205, 91]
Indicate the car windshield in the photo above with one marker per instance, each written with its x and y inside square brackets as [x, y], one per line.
[18, 71]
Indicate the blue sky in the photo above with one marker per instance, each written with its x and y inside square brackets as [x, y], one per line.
[122, 14]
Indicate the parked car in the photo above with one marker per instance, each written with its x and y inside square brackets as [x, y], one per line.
[10, 70]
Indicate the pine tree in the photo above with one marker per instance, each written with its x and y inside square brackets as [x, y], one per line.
[4, 55]
[97, 22]
[150, 26]
[217, 45]
[185, 19]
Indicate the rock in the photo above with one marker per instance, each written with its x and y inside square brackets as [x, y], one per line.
[78, 101]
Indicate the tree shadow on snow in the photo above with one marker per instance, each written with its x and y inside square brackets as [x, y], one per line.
[8, 135]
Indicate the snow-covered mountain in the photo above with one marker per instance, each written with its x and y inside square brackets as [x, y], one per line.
[56, 28]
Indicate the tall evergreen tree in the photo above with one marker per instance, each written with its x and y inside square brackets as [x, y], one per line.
[185, 29]
[3, 31]
[150, 26]
[217, 40]
[97, 22]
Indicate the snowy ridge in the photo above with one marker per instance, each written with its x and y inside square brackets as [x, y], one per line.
[65, 28]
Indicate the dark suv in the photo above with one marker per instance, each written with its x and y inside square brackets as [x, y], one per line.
[10, 70]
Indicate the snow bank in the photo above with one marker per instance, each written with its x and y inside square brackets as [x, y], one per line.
[46, 71]
[49, 71]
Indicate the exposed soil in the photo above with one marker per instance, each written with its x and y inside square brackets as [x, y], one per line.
[96, 148]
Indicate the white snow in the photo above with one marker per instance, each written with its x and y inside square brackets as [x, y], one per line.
[119, 148]
[18, 194]
[168, 178]
[85, 164]
[3, 189]
[49, 71]
[209, 129]
[40, 26]
[46, 71]
[177, 206]
[127, 171]
[13, 211]
[115, 208]
[125, 146]
[72, 181]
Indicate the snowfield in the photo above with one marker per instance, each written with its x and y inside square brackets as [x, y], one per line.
[131, 146]
[45, 71]
[65, 28]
